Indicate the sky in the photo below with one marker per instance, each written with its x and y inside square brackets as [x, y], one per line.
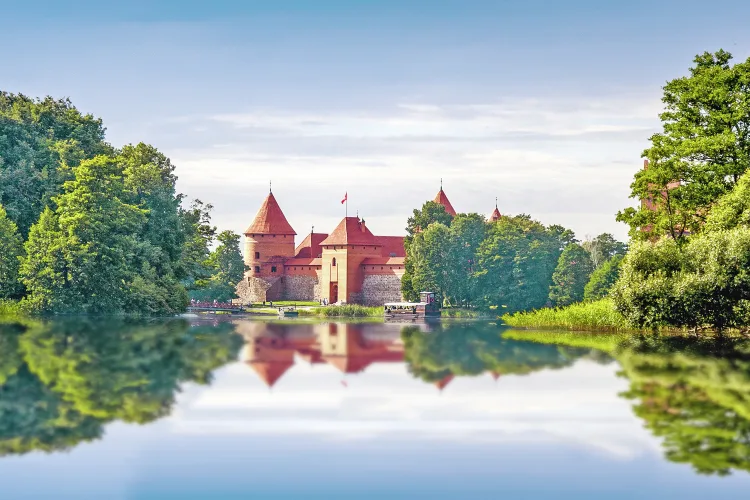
[546, 106]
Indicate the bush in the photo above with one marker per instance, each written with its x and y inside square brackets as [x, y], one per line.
[603, 279]
[707, 284]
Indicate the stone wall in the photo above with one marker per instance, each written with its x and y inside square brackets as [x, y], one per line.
[252, 289]
[300, 287]
[377, 289]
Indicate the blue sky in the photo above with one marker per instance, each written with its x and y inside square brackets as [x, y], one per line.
[545, 105]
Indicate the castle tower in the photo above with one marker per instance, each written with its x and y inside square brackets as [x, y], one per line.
[269, 241]
[496, 214]
[442, 199]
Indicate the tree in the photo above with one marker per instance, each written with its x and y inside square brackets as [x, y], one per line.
[603, 279]
[228, 269]
[420, 220]
[701, 153]
[602, 248]
[515, 263]
[11, 250]
[429, 254]
[198, 235]
[40, 141]
[570, 276]
[80, 259]
[466, 233]
[732, 209]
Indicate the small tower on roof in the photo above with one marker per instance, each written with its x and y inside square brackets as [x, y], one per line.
[269, 240]
[496, 214]
[442, 199]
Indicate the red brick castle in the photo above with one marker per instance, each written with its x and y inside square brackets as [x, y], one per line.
[349, 265]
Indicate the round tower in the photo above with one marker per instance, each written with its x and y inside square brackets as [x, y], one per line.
[269, 241]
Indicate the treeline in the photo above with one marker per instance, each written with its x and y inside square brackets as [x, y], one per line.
[514, 263]
[89, 228]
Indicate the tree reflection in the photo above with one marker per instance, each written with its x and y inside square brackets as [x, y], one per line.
[61, 381]
[695, 394]
[475, 348]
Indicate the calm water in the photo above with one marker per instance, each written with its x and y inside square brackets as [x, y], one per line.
[188, 409]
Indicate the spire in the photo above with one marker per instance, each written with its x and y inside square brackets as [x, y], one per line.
[496, 213]
[270, 219]
[442, 199]
[270, 190]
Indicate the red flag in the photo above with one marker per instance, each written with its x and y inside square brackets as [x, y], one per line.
[346, 197]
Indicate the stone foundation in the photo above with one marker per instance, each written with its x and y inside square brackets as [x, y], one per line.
[377, 289]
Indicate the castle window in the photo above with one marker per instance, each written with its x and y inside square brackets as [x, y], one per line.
[333, 262]
[257, 269]
[257, 255]
[273, 269]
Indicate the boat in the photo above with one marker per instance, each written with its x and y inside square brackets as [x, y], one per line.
[288, 312]
[427, 307]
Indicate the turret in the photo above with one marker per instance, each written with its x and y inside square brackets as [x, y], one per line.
[496, 214]
[269, 240]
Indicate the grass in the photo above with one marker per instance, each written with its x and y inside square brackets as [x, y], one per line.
[345, 311]
[599, 315]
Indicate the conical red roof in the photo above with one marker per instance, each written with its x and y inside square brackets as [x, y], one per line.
[442, 199]
[270, 371]
[270, 219]
[351, 231]
[495, 215]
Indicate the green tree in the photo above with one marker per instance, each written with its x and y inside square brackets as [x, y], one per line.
[515, 263]
[228, 268]
[40, 140]
[429, 254]
[81, 258]
[467, 231]
[11, 249]
[732, 209]
[570, 276]
[701, 153]
[420, 220]
[603, 279]
[602, 248]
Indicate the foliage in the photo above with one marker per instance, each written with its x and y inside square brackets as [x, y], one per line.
[603, 279]
[515, 263]
[571, 275]
[599, 315]
[705, 285]
[11, 249]
[228, 269]
[732, 209]
[602, 248]
[701, 153]
[430, 213]
[40, 140]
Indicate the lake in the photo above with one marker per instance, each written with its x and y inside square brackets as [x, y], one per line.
[195, 408]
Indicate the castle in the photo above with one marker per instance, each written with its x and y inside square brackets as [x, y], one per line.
[349, 265]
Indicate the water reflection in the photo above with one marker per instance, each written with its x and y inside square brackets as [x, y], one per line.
[61, 382]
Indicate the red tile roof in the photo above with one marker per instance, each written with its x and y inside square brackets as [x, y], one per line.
[392, 245]
[270, 371]
[495, 215]
[442, 199]
[350, 231]
[310, 246]
[270, 219]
